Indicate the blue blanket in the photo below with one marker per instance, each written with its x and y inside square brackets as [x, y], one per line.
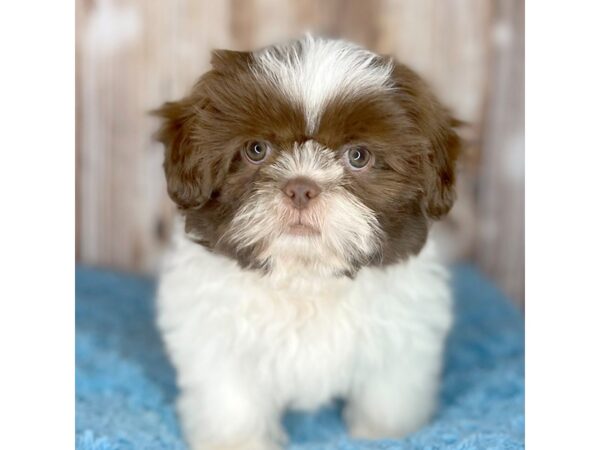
[125, 386]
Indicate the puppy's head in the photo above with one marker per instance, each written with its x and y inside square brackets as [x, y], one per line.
[315, 153]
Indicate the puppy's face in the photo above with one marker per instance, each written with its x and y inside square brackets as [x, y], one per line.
[316, 153]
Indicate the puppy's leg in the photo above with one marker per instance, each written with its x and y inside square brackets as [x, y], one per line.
[223, 413]
[392, 402]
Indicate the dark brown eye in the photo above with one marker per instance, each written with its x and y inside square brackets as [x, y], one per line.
[358, 157]
[256, 151]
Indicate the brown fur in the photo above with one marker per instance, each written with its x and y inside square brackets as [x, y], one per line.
[407, 131]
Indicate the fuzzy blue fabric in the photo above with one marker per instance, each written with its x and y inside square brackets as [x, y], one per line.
[125, 387]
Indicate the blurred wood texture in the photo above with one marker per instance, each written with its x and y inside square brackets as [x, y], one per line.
[134, 55]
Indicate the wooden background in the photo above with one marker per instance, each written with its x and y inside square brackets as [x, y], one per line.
[132, 55]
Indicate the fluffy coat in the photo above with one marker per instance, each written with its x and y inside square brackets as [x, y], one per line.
[247, 346]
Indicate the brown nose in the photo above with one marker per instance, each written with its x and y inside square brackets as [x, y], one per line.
[301, 191]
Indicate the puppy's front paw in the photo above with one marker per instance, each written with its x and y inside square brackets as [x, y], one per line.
[246, 445]
[364, 430]
[380, 426]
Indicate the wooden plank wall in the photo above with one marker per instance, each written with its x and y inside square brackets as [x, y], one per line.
[132, 55]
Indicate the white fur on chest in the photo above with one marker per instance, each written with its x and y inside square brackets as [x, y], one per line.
[301, 339]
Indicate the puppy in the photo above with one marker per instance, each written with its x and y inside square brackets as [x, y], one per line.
[307, 176]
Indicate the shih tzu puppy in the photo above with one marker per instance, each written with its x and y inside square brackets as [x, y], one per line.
[307, 176]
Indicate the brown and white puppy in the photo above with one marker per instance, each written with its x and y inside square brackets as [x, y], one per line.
[307, 176]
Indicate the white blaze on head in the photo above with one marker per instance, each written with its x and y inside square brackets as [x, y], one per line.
[312, 71]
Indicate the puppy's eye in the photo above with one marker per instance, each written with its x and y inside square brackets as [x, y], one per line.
[256, 151]
[358, 157]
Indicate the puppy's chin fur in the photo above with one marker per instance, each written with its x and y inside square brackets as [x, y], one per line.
[265, 303]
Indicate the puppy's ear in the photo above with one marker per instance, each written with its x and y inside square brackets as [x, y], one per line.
[188, 184]
[193, 134]
[435, 124]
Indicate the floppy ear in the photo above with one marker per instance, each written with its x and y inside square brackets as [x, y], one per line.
[193, 136]
[435, 124]
[187, 183]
